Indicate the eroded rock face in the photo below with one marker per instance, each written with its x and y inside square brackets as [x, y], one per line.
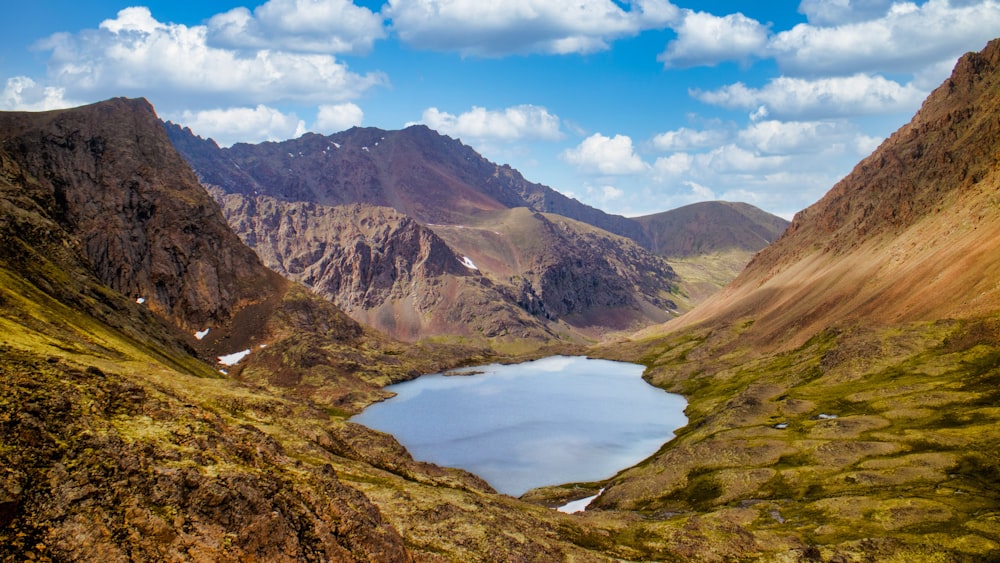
[379, 265]
[110, 176]
[388, 271]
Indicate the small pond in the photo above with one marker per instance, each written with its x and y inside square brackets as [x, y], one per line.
[546, 422]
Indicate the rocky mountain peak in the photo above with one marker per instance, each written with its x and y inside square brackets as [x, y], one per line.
[149, 231]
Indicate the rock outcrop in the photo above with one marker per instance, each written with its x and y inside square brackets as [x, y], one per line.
[381, 267]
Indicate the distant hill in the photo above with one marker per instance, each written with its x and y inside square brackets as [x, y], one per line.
[709, 227]
[709, 243]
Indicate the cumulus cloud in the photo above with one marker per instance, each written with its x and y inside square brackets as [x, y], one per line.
[21, 93]
[735, 159]
[605, 155]
[803, 137]
[136, 54]
[842, 37]
[781, 165]
[704, 39]
[513, 123]
[503, 27]
[860, 94]
[905, 39]
[231, 125]
[322, 26]
[334, 118]
[611, 192]
[686, 139]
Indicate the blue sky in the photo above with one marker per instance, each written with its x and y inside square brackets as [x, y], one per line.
[634, 107]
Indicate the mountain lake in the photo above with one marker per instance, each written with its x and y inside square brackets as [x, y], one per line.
[546, 422]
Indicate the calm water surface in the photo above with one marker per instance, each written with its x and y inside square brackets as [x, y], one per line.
[556, 420]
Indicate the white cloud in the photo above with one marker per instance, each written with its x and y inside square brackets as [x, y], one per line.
[706, 40]
[322, 26]
[23, 94]
[513, 123]
[611, 192]
[736, 159]
[860, 94]
[503, 27]
[673, 166]
[781, 166]
[835, 12]
[135, 54]
[334, 118]
[906, 38]
[685, 139]
[251, 125]
[843, 37]
[700, 192]
[605, 155]
[799, 137]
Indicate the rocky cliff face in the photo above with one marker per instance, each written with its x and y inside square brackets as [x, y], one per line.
[567, 270]
[380, 266]
[150, 232]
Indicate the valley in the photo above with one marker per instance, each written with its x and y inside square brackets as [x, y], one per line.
[842, 389]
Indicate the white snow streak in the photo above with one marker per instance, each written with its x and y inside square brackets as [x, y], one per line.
[234, 358]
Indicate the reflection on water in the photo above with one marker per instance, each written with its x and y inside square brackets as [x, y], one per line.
[556, 420]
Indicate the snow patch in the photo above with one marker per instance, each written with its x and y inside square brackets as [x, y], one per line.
[234, 358]
[469, 263]
[365, 149]
[201, 334]
[578, 505]
[824, 416]
[140, 300]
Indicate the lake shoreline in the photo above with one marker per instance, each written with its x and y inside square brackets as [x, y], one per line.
[582, 420]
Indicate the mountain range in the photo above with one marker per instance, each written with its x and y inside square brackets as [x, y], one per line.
[842, 390]
[418, 235]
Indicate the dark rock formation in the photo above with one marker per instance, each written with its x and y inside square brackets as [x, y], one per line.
[148, 231]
